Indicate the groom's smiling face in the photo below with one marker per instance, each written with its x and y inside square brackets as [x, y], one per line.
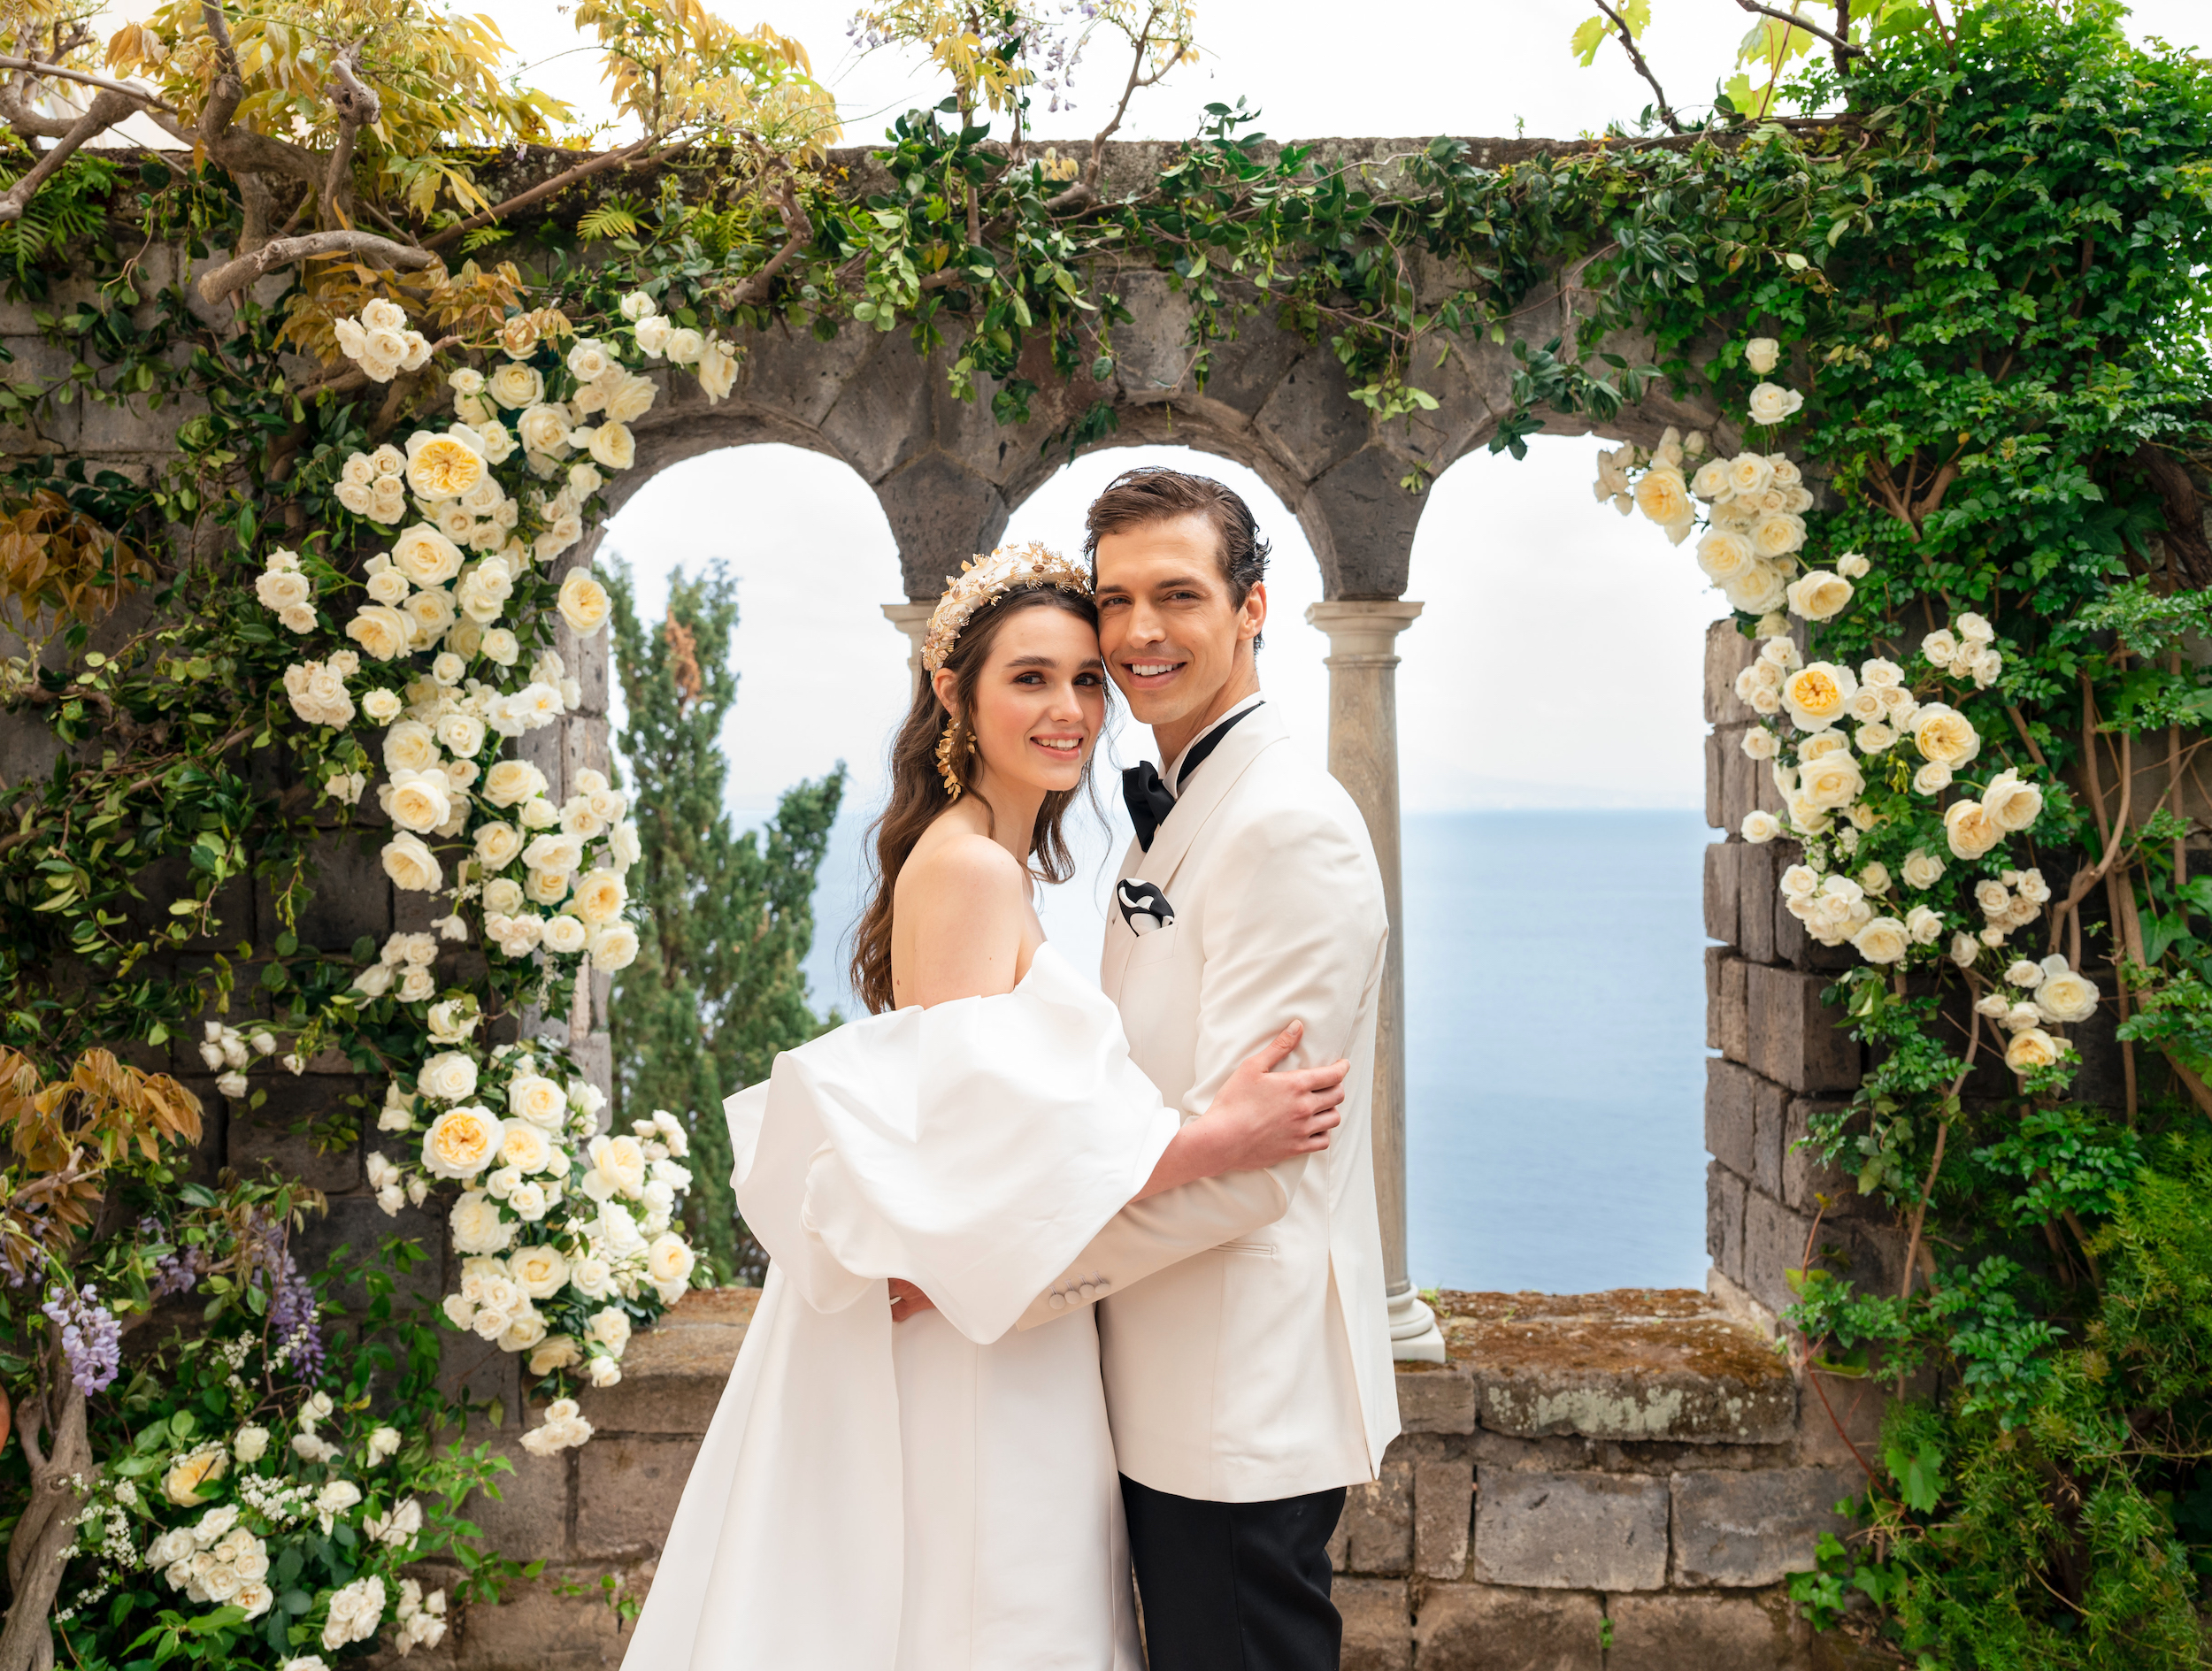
[1175, 643]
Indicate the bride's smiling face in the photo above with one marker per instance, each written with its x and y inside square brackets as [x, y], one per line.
[1039, 701]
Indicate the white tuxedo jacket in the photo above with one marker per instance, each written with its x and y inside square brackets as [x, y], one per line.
[1242, 1329]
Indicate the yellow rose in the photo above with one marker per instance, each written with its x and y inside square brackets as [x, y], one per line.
[1818, 693]
[442, 466]
[584, 604]
[1663, 496]
[202, 1467]
[2030, 1048]
[462, 1142]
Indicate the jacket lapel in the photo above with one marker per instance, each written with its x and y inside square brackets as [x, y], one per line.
[1247, 740]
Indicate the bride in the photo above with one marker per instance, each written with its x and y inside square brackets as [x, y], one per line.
[895, 1481]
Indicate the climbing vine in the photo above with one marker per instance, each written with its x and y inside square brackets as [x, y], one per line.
[1946, 315]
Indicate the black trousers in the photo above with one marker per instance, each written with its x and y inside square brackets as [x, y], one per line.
[1235, 1586]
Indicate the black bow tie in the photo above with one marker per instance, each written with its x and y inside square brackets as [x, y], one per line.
[1146, 793]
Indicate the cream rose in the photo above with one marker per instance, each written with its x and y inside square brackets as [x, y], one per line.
[425, 555]
[2010, 803]
[1818, 596]
[1776, 533]
[1749, 474]
[497, 844]
[613, 446]
[1771, 404]
[1932, 778]
[1663, 496]
[1760, 826]
[526, 1147]
[544, 429]
[412, 867]
[477, 1226]
[584, 604]
[1725, 556]
[1883, 940]
[613, 947]
[1759, 743]
[566, 934]
[1945, 736]
[511, 782]
[1759, 591]
[668, 1261]
[600, 897]
[1924, 925]
[1939, 647]
[610, 1327]
[1922, 868]
[2065, 994]
[462, 1141]
[2031, 1048]
[381, 630]
[1817, 694]
[538, 1100]
[419, 801]
[447, 466]
[685, 345]
[515, 385]
[447, 1077]
[1970, 830]
[541, 1270]
[1762, 354]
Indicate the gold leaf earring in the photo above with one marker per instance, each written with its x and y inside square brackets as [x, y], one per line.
[947, 746]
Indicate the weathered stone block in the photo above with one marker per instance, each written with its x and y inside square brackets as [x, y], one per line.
[1795, 1038]
[1570, 1531]
[1702, 1633]
[529, 1520]
[1769, 1107]
[1731, 1115]
[1723, 889]
[1806, 1177]
[1488, 1628]
[1443, 1516]
[1758, 877]
[263, 1134]
[1379, 1520]
[1743, 1529]
[1440, 1399]
[536, 1626]
[935, 507]
[1716, 959]
[1377, 1624]
[1727, 653]
[1774, 1243]
[1735, 1010]
[881, 419]
[626, 1487]
[673, 1373]
[349, 897]
[1715, 774]
[1361, 524]
[1724, 1219]
[1310, 420]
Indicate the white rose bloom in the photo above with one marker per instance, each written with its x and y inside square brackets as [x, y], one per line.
[2010, 803]
[1818, 596]
[2025, 972]
[2032, 886]
[1821, 744]
[1922, 868]
[1945, 736]
[1778, 533]
[2065, 994]
[1883, 940]
[1762, 354]
[653, 334]
[609, 1326]
[544, 430]
[1758, 591]
[584, 604]
[613, 446]
[1831, 781]
[541, 1270]
[477, 1225]
[411, 865]
[600, 897]
[1974, 629]
[684, 346]
[381, 630]
[1759, 743]
[589, 360]
[1852, 565]
[1875, 878]
[592, 1277]
[1770, 403]
[613, 945]
[1725, 556]
[669, 1260]
[1924, 925]
[1971, 831]
[1866, 706]
[2031, 1048]
[1939, 647]
[1760, 826]
[515, 385]
[425, 555]
[1932, 778]
[448, 1077]
[419, 801]
[510, 782]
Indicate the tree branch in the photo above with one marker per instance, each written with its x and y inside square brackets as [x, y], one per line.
[365, 247]
[1620, 28]
[358, 107]
[1844, 49]
[151, 101]
[1136, 70]
[799, 232]
[522, 199]
[106, 110]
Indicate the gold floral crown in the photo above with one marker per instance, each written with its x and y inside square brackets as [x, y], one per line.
[982, 581]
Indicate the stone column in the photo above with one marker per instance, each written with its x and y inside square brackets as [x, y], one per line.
[913, 620]
[1363, 757]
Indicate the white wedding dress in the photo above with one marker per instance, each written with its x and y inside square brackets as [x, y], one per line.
[940, 1495]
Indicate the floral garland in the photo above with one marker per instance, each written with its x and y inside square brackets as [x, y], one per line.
[565, 1233]
[1868, 803]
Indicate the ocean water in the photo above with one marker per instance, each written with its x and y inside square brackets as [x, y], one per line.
[1554, 1036]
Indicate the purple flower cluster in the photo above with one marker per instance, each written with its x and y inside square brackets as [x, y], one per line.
[299, 1337]
[91, 1338]
[174, 1273]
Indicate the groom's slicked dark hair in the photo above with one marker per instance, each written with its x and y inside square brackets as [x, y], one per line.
[1153, 493]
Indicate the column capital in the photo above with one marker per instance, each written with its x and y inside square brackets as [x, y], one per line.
[913, 620]
[1359, 628]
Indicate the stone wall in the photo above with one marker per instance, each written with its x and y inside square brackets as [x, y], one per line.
[1616, 1480]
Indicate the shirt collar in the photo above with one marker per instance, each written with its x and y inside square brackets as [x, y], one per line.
[1171, 776]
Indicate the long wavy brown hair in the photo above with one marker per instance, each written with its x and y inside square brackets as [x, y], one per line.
[917, 793]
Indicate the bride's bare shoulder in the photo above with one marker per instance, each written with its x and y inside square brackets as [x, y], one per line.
[960, 908]
[962, 872]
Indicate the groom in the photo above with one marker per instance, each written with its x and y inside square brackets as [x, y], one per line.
[1242, 1333]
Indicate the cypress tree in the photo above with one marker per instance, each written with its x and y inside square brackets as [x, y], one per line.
[717, 989]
